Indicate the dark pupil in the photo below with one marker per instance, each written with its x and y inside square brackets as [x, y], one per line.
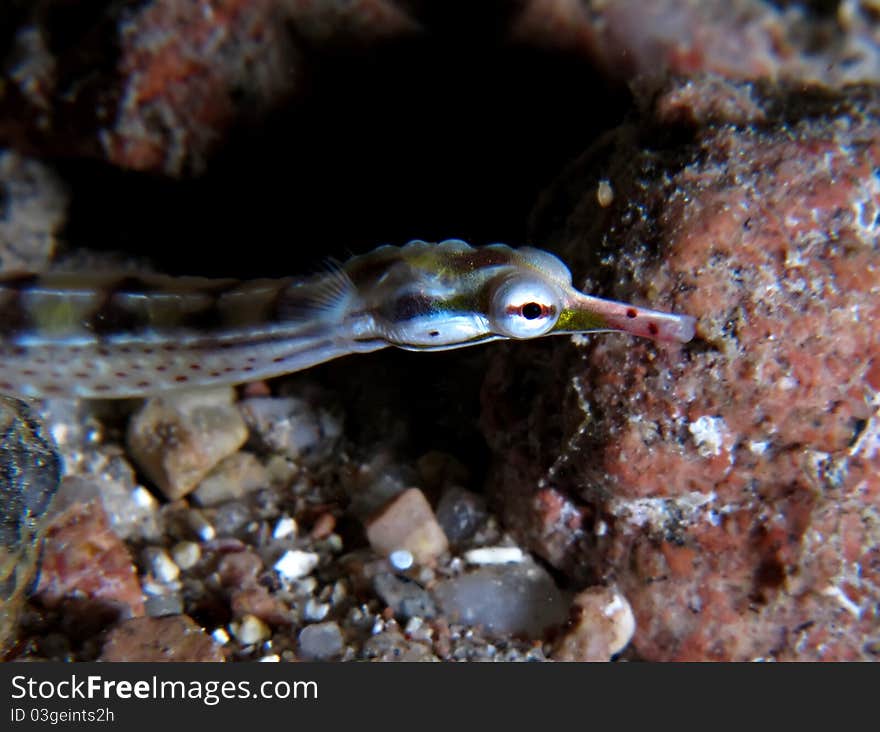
[532, 310]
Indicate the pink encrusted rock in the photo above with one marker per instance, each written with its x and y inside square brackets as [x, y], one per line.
[172, 638]
[729, 488]
[239, 569]
[407, 522]
[257, 601]
[182, 65]
[739, 39]
[86, 567]
[239, 573]
[159, 85]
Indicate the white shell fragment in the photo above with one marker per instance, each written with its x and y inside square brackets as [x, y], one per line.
[495, 555]
[294, 564]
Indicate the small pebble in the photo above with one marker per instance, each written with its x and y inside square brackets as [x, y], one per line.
[132, 514]
[401, 559]
[603, 625]
[231, 479]
[407, 522]
[418, 630]
[323, 526]
[231, 518]
[281, 470]
[290, 426]
[144, 499]
[186, 554]
[406, 598]
[339, 593]
[320, 642]
[177, 440]
[221, 636]
[162, 567]
[239, 569]
[413, 625]
[131, 509]
[285, 527]
[504, 599]
[157, 606]
[460, 514]
[306, 585]
[274, 658]
[315, 610]
[251, 630]
[201, 527]
[495, 555]
[294, 564]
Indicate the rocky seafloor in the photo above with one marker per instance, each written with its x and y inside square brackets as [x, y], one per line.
[592, 498]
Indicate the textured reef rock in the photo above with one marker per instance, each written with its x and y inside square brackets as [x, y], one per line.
[157, 85]
[30, 469]
[32, 209]
[729, 488]
[87, 570]
[739, 39]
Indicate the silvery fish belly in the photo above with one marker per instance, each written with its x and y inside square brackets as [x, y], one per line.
[81, 335]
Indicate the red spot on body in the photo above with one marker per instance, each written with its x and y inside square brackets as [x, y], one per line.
[100, 387]
[143, 384]
[278, 359]
[631, 313]
[195, 367]
[121, 375]
[28, 372]
[181, 378]
[653, 329]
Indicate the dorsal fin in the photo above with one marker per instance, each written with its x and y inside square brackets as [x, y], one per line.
[326, 297]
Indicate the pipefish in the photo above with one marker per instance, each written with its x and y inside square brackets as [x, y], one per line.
[112, 336]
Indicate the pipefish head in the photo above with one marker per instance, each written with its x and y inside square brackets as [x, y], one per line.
[451, 295]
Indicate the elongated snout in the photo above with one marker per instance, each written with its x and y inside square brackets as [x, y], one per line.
[583, 313]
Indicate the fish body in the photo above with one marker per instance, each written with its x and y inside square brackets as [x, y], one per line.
[111, 335]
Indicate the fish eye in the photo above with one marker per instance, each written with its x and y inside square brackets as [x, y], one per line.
[524, 308]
